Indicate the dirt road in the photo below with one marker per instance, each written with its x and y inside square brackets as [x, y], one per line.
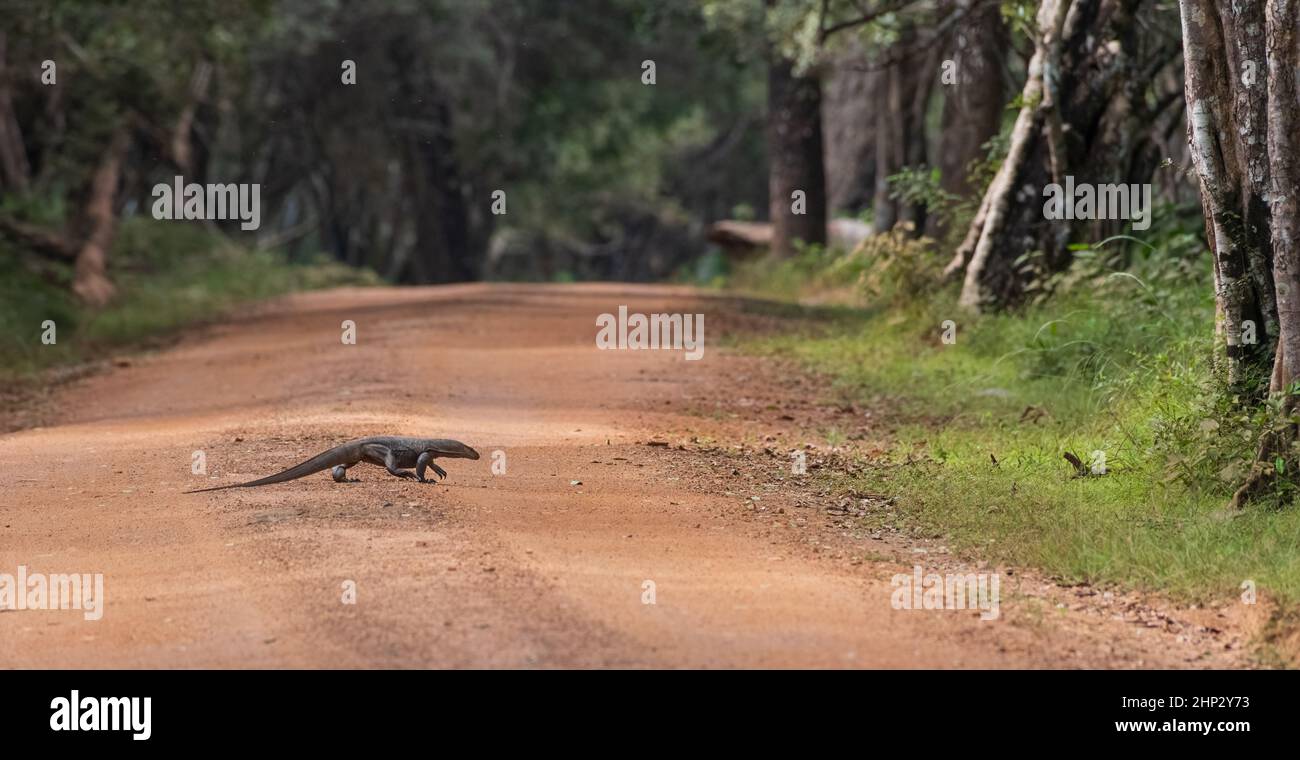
[549, 563]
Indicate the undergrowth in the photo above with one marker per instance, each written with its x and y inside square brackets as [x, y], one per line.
[1112, 364]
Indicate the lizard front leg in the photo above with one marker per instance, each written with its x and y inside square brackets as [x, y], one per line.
[426, 461]
[390, 464]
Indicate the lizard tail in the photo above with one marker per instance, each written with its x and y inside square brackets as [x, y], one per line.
[322, 461]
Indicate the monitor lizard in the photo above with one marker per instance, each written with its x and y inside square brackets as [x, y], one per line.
[389, 452]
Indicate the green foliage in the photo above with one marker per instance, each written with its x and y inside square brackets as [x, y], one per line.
[917, 184]
[1020, 17]
[168, 276]
[812, 268]
[982, 171]
[922, 185]
[117, 61]
[1115, 362]
[585, 122]
[453, 100]
[894, 267]
[890, 268]
[710, 270]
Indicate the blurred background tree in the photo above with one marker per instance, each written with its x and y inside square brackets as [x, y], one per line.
[604, 175]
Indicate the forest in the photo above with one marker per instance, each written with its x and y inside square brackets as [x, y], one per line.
[1055, 244]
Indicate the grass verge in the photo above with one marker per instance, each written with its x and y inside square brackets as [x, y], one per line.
[1114, 368]
[169, 276]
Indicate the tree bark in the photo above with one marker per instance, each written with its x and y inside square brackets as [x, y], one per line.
[182, 139]
[98, 223]
[905, 89]
[1082, 114]
[446, 250]
[794, 139]
[1240, 74]
[849, 132]
[889, 158]
[15, 171]
[1284, 165]
[979, 287]
[1223, 116]
[972, 109]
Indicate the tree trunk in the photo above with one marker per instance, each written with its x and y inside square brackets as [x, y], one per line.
[1240, 74]
[1284, 164]
[182, 138]
[794, 139]
[902, 102]
[848, 127]
[889, 141]
[447, 194]
[37, 239]
[15, 172]
[98, 223]
[1082, 114]
[446, 248]
[973, 106]
[1225, 117]
[919, 80]
[984, 282]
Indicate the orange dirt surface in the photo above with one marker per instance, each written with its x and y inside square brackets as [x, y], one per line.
[546, 564]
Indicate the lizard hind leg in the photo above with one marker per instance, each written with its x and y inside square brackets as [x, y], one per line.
[340, 473]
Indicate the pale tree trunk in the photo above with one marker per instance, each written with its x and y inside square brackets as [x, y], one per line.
[182, 141]
[1085, 110]
[961, 257]
[794, 139]
[99, 223]
[992, 216]
[1225, 116]
[1240, 64]
[1284, 164]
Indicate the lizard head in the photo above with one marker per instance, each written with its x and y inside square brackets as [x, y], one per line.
[455, 450]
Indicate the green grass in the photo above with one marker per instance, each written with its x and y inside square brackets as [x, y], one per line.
[168, 276]
[1117, 364]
